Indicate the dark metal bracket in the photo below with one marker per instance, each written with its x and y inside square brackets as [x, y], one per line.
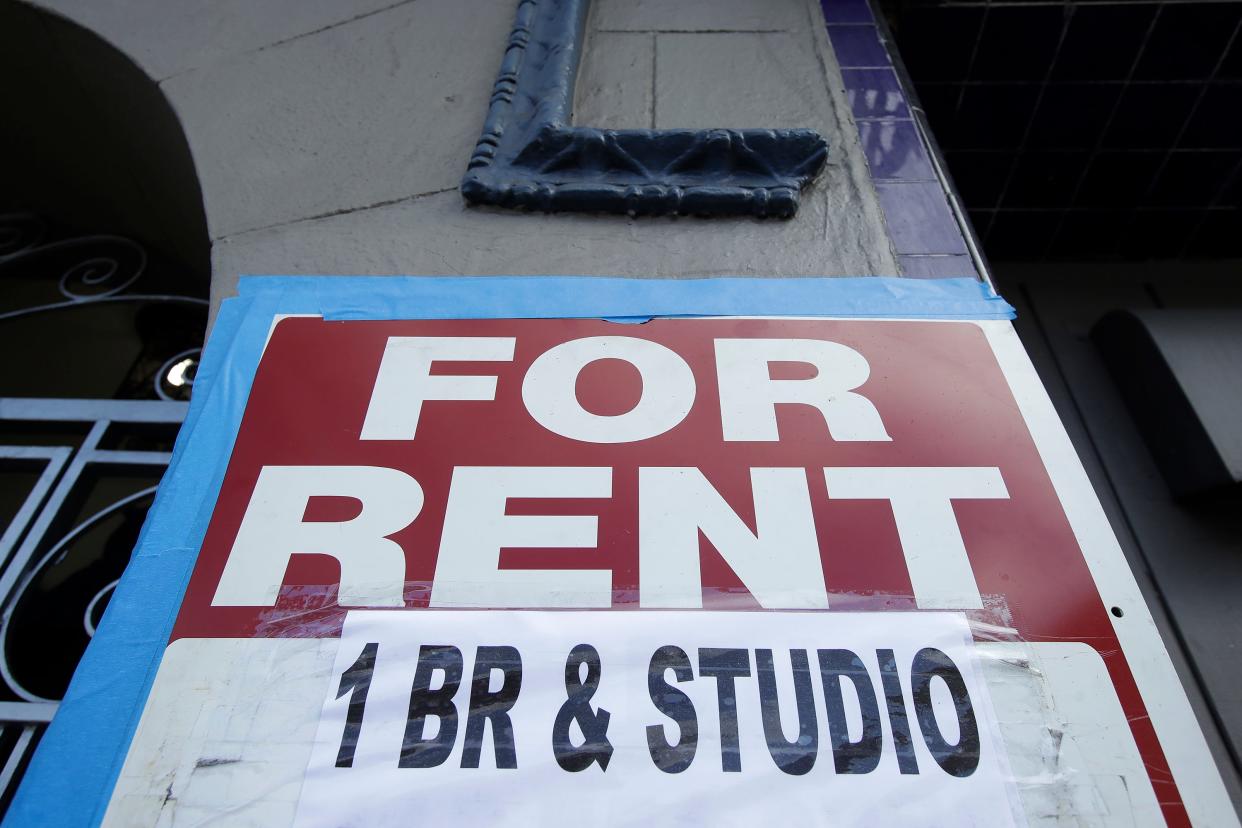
[531, 157]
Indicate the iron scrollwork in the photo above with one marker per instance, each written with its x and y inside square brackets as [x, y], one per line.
[530, 156]
[103, 340]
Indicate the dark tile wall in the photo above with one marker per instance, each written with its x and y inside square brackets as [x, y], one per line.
[1080, 129]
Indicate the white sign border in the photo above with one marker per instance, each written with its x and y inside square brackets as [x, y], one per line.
[1198, 779]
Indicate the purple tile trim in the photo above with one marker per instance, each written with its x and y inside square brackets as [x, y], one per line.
[874, 93]
[858, 46]
[895, 150]
[937, 267]
[925, 234]
[919, 219]
[847, 11]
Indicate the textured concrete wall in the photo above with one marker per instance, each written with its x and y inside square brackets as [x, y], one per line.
[330, 136]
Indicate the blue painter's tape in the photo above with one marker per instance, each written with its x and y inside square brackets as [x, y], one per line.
[71, 777]
[498, 297]
[72, 774]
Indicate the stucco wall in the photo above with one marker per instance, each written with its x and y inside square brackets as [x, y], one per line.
[329, 137]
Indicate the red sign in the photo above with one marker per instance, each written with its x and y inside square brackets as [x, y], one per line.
[714, 463]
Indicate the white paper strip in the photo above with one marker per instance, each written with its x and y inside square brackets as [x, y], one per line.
[407, 753]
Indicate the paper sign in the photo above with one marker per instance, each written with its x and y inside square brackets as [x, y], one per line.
[695, 718]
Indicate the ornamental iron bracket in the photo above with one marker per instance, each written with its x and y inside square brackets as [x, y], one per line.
[531, 157]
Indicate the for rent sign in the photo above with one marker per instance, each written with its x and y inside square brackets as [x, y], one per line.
[695, 570]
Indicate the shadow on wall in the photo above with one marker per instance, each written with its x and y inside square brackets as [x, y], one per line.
[89, 141]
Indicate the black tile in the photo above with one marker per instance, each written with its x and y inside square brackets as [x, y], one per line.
[980, 221]
[1193, 179]
[936, 42]
[1103, 41]
[1072, 116]
[980, 176]
[1018, 42]
[1187, 41]
[1020, 234]
[994, 117]
[1118, 179]
[1089, 234]
[1232, 197]
[1150, 116]
[1045, 179]
[939, 102]
[1232, 66]
[1159, 234]
[1219, 236]
[1218, 120]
